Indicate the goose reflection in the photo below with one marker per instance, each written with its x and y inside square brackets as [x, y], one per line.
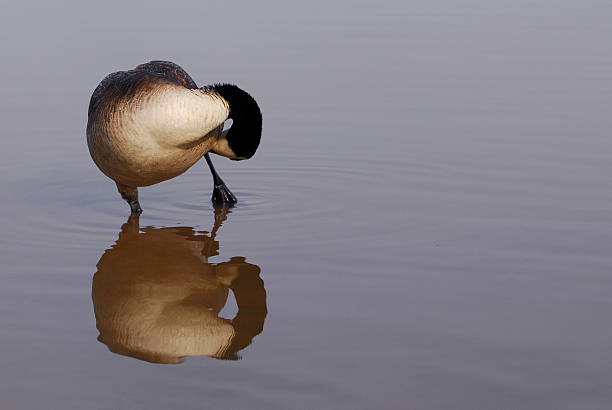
[157, 298]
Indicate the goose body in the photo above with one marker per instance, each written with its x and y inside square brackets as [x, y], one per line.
[152, 123]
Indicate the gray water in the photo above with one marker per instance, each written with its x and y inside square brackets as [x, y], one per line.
[426, 225]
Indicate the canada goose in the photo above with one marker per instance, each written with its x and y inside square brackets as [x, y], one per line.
[152, 123]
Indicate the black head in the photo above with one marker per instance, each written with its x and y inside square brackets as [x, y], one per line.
[245, 134]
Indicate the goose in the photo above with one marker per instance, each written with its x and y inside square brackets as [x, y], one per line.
[152, 123]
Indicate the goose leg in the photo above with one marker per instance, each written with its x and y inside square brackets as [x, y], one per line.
[221, 194]
[131, 197]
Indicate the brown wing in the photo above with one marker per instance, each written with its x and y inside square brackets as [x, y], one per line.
[118, 84]
[105, 85]
[170, 71]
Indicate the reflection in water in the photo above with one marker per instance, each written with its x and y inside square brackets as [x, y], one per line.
[157, 298]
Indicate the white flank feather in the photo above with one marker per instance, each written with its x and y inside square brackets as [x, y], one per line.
[172, 116]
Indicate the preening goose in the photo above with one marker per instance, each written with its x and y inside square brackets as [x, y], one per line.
[152, 123]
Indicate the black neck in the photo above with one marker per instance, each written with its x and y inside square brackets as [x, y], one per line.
[244, 135]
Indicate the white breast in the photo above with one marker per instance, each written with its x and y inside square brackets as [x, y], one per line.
[170, 116]
[157, 134]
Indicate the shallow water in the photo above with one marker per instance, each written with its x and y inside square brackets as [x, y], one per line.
[425, 225]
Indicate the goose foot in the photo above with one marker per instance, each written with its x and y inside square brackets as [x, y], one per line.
[130, 195]
[222, 195]
[135, 207]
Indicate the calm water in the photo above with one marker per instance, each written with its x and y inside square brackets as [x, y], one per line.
[427, 223]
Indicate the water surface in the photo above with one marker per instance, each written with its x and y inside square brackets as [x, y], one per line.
[425, 225]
